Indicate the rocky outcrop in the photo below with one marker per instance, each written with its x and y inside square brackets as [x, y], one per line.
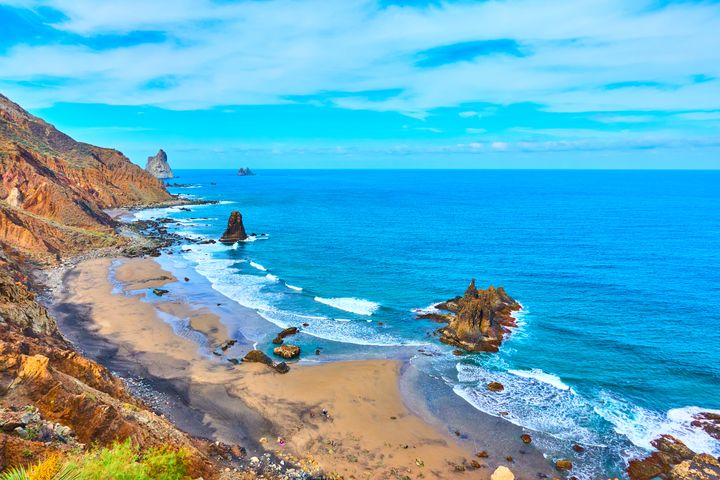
[287, 351]
[674, 461]
[708, 421]
[235, 230]
[158, 166]
[53, 190]
[478, 320]
[245, 172]
[286, 332]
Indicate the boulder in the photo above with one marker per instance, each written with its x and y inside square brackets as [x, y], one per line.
[563, 465]
[281, 367]
[258, 357]
[287, 351]
[158, 166]
[235, 229]
[495, 387]
[526, 438]
[478, 320]
[502, 473]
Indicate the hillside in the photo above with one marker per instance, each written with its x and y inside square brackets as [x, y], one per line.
[53, 189]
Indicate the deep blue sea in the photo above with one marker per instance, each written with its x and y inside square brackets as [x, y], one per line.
[618, 273]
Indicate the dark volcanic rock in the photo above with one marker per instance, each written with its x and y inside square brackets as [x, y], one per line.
[160, 291]
[235, 229]
[674, 461]
[158, 165]
[257, 356]
[245, 172]
[285, 333]
[281, 367]
[481, 319]
[710, 422]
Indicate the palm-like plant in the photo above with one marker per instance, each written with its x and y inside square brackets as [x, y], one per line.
[67, 472]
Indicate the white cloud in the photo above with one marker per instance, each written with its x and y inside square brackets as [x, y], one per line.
[475, 130]
[221, 53]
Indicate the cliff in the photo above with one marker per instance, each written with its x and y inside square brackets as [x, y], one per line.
[54, 401]
[53, 189]
[158, 165]
[478, 320]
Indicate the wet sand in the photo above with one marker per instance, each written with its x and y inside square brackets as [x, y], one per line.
[343, 417]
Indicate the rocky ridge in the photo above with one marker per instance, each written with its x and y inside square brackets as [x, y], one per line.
[53, 189]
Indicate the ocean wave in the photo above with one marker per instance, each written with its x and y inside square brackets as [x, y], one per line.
[271, 277]
[293, 287]
[541, 376]
[350, 304]
[641, 425]
[428, 309]
[258, 266]
[531, 402]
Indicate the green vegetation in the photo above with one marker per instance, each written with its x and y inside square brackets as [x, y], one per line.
[122, 461]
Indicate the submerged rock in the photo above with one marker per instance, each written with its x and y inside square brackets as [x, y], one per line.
[235, 230]
[158, 166]
[287, 351]
[674, 461]
[480, 319]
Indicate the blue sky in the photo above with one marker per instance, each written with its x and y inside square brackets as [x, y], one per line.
[353, 84]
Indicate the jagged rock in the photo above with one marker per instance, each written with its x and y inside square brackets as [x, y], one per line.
[278, 340]
[481, 319]
[245, 172]
[287, 351]
[502, 473]
[160, 291]
[235, 230]
[158, 166]
[495, 387]
[258, 357]
[674, 461]
[710, 422]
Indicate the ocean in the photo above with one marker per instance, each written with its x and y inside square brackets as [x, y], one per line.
[618, 273]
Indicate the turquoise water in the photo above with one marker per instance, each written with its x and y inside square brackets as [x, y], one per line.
[618, 273]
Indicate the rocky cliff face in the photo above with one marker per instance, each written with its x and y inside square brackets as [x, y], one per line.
[66, 394]
[479, 320]
[235, 230]
[158, 166]
[53, 189]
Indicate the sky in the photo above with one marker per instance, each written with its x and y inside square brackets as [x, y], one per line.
[374, 84]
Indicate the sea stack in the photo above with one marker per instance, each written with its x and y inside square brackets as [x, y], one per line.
[245, 172]
[480, 319]
[235, 229]
[158, 166]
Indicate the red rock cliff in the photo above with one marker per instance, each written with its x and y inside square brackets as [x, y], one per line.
[53, 189]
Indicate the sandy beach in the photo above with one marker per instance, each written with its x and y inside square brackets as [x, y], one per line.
[343, 417]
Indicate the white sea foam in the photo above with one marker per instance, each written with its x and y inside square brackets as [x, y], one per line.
[350, 304]
[541, 376]
[293, 287]
[272, 277]
[428, 309]
[641, 425]
[258, 266]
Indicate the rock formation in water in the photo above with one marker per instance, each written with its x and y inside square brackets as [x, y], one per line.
[53, 190]
[235, 230]
[674, 461]
[479, 319]
[245, 172]
[158, 165]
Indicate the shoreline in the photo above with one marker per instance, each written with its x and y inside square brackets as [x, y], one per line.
[219, 401]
